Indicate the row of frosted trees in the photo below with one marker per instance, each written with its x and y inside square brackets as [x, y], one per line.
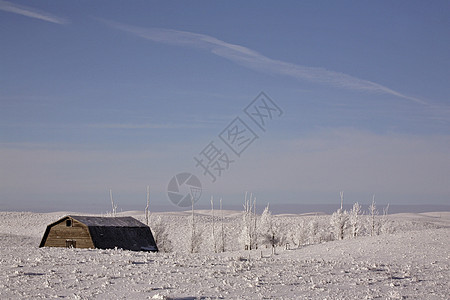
[255, 231]
[267, 230]
[354, 223]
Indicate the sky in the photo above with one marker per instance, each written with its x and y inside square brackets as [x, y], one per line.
[293, 101]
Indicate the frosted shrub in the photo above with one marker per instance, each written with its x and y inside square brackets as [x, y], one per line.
[161, 235]
[195, 237]
[326, 236]
[386, 225]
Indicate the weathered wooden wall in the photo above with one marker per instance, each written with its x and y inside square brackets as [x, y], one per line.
[59, 233]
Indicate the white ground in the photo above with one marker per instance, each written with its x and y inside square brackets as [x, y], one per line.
[411, 263]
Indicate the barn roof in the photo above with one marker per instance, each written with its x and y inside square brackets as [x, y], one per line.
[108, 221]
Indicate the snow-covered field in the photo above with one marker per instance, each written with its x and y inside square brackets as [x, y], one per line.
[410, 260]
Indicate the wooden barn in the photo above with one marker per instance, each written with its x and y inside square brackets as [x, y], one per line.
[99, 232]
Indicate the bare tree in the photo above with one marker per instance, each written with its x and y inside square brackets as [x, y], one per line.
[196, 237]
[248, 232]
[254, 231]
[373, 212]
[244, 237]
[114, 206]
[222, 232]
[213, 235]
[385, 210]
[386, 225]
[147, 207]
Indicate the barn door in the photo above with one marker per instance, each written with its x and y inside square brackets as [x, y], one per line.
[71, 243]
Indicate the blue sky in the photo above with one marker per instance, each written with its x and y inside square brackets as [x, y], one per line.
[97, 95]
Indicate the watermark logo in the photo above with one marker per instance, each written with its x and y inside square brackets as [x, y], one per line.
[219, 154]
[183, 189]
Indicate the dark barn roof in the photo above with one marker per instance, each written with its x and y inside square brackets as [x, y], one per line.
[109, 221]
[110, 232]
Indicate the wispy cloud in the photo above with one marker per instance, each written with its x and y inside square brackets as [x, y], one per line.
[31, 12]
[256, 61]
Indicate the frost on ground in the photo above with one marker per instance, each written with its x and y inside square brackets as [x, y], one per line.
[410, 263]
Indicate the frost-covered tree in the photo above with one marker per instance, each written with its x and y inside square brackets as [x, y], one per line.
[280, 236]
[213, 233]
[386, 224]
[161, 236]
[313, 230]
[339, 222]
[248, 235]
[221, 244]
[373, 212]
[300, 234]
[267, 229]
[114, 206]
[147, 215]
[265, 222]
[293, 233]
[355, 219]
[195, 237]
[217, 236]
[254, 229]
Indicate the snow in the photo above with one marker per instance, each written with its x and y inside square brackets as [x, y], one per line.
[410, 263]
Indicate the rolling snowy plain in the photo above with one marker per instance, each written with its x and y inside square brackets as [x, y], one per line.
[409, 259]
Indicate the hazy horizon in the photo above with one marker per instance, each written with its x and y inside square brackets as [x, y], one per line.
[275, 208]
